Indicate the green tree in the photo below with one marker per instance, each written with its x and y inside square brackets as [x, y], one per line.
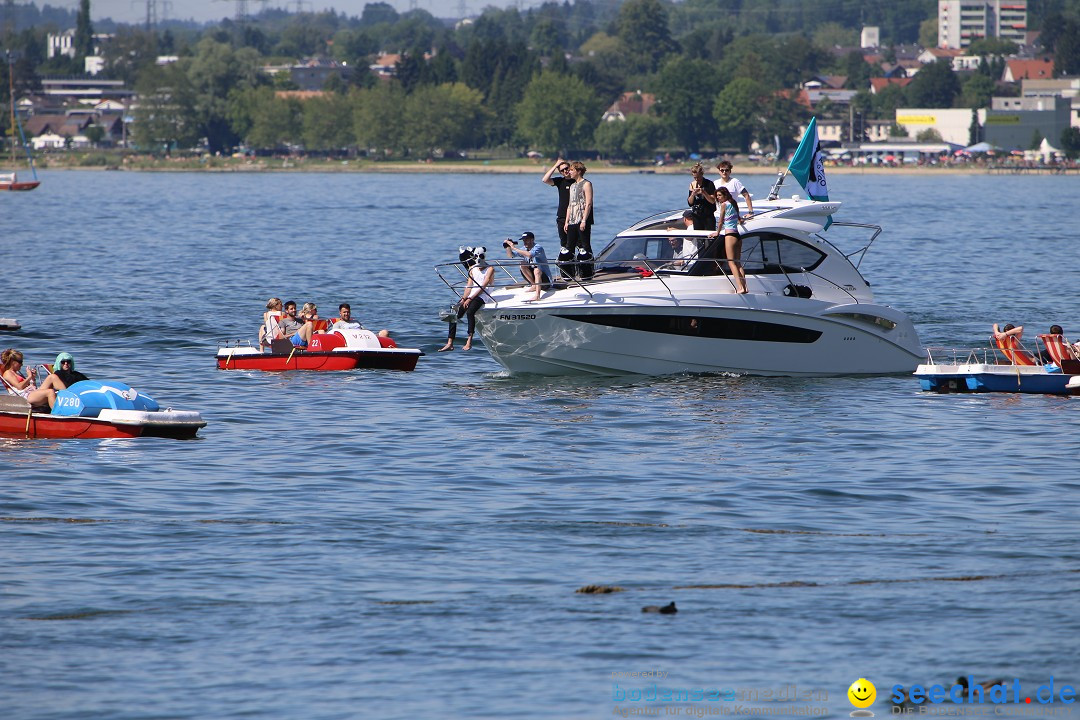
[264, 120]
[974, 129]
[977, 91]
[928, 135]
[215, 71]
[1070, 142]
[84, 32]
[130, 51]
[1036, 140]
[327, 122]
[1067, 49]
[928, 32]
[686, 90]
[737, 110]
[165, 117]
[557, 112]
[449, 116]
[95, 134]
[377, 117]
[833, 34]
[609, 137]
[934, 86]
[643, 135]
[643, 28]
[984, 47]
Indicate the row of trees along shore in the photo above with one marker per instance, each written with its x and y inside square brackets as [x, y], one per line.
[724, 74]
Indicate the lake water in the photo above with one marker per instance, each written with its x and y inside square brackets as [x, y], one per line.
[408, 545]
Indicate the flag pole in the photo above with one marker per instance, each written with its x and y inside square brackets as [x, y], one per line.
[774, 193]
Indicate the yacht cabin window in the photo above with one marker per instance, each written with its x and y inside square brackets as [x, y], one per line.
[770, 253]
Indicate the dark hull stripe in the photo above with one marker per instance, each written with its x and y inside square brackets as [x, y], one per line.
[706, 327]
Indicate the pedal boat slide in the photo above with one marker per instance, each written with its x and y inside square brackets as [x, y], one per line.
[93, 409]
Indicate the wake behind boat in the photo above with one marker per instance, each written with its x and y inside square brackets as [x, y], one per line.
[809, 312]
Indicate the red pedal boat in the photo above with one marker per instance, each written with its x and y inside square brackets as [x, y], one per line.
[92, 409]
[339, 350]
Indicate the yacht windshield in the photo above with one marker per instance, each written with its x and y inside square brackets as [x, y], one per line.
[670, 251]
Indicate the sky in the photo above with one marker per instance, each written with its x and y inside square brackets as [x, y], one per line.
[133, 11]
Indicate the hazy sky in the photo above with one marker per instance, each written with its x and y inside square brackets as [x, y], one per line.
[212, 10]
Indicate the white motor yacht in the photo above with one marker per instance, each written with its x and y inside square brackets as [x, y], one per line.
[651, 307]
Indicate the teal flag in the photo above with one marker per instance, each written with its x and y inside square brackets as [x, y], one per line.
[807, 165]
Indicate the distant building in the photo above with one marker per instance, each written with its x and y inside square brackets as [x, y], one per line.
[63, 43]
[870, 37]
[630, 103]
[77, 88]
[58, 44]
[961, 22]
[952, 124]
[879, 84]
[1066, 87]
[1014, 129]
[1017, 70]
[310, 74]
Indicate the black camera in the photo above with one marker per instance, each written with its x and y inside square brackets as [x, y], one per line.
[508, 242]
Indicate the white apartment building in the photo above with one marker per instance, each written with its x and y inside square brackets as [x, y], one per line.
[960, 22]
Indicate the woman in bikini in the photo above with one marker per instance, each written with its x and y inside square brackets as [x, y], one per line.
[11, 362]
[729, 227]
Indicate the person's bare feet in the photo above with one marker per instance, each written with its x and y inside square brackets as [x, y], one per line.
[447, 346]
[467, 345]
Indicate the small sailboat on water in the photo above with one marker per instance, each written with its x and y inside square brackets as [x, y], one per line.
[10, 180]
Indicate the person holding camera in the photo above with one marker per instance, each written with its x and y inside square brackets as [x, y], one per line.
[702, 199]
[535, 269]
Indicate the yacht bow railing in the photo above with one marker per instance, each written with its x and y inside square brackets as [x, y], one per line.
[507, 274]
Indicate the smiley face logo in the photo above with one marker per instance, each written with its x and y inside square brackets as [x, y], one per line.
[862, 693]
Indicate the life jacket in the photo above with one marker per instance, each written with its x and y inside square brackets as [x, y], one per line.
[320, 325]
[269, 328]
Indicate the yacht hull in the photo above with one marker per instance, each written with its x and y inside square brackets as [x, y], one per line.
[681, 339]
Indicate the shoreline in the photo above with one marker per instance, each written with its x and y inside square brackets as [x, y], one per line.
[241, 166]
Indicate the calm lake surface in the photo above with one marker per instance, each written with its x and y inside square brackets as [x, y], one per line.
[381, 545]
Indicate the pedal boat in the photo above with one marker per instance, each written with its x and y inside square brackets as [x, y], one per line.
[338, 350]
[10, 324]
[1010, 368]
[97, 409]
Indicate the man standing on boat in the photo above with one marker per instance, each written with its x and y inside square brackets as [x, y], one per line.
[562, 184]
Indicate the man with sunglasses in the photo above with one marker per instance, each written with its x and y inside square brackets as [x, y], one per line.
[562, 184]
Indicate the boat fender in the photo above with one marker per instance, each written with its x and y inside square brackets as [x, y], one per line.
[801, 291]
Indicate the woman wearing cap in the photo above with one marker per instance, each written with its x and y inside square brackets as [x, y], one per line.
[481, 275]
[64, 368]
[11, 362]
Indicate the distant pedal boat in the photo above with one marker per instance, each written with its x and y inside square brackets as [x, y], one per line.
[339, 350]
[984, 370]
